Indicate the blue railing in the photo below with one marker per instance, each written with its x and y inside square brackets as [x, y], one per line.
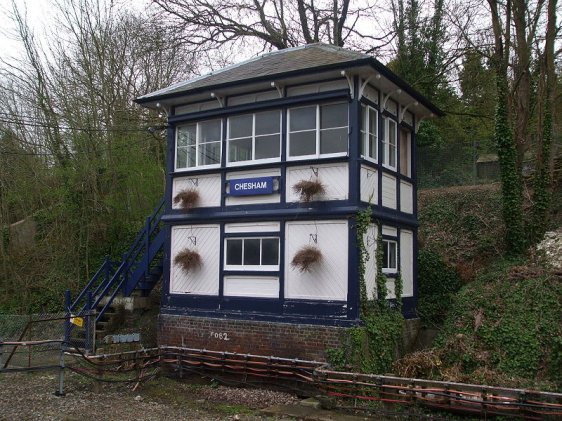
[122, 277]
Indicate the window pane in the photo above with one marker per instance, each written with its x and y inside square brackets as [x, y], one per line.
[373, 122]
[240, 126]
[268, 146]
[186, 135]
[267, 122]
[240, 150]
[210, 130]
[209, 153]
[234, 252]
[373, 146]
[392, 255]
[392, 132]
[181, 158]
[270, 251]
[302, 118]
[251, 251]
[392, 156]
[302, 143]
[333, 115]
[333, 140]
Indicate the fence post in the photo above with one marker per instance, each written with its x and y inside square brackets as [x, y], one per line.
[88, 327]
[67, 304]
[60, 390]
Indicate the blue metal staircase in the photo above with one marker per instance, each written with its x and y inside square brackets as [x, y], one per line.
[139, 270]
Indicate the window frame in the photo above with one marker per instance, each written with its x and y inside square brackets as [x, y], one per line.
[317, 129]
[197, 145]
[387, 144]
[253, 268]
[386, 268]
[253, 137]
[365, 133]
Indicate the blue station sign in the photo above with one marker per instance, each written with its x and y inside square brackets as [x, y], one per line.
[250, 186]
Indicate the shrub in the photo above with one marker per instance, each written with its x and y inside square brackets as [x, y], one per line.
[187, 199]
[307, 189]
[438, 284]
[306, 257]
[188, 260]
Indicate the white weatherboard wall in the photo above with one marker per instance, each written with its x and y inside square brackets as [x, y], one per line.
[369, 185]
[370, 241]
[208, 186]
[251, 286]
[326, 280]
[406, 197]
[252, 200]
[388, 191]
[407, 262]
[205, 239]
[334, 177]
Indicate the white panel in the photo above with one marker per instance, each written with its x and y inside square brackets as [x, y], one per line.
[193, 108]
[252, 227]
[389, 191]
[409, 118]
[253, 97]
[247, 286]
[334, 177]
[205, 240]
[406, 197]
[251, 200]
[317, 87]
[326, 280]
[407, 261]
[371, 93]
[208, 186]
[392, 107]
[370, 241]
[386, 230]
[369, 185]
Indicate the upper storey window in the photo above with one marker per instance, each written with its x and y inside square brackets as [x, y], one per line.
[369, 132]
[198, 145]
[254, 137]
[318, 131]
[389, 149]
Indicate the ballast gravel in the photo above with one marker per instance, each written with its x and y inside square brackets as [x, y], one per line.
[30, 396]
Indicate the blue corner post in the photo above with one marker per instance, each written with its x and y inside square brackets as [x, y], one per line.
[88, 321]
[67, 305]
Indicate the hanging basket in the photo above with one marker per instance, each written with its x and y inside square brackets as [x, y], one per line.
[306, 257]
[188, 260]
[307, 189]
[188, 199]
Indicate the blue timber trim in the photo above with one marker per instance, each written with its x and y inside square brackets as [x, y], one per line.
[304, 312]
[222, 260]
[260, 106]
[415, 256]
[353, 297]
[170, 157]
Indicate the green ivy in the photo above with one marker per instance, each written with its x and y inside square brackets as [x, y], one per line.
[373, 346]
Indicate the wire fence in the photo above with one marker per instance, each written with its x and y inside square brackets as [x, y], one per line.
[36, 340]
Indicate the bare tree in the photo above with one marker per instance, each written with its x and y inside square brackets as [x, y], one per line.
[210, 24]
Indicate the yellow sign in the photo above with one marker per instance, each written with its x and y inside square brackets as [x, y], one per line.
[78, 321]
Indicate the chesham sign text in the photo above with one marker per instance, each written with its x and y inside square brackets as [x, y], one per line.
[251, 186]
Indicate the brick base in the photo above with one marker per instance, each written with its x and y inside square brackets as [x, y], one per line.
[306, 342]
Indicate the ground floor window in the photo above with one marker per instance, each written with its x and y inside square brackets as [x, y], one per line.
[390, 261]
[252, 253]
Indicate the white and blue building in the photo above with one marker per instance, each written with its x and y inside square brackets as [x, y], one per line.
[242, 137]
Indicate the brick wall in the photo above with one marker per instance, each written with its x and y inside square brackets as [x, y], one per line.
[306, 342]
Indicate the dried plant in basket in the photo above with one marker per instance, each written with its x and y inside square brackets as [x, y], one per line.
[308, 188]
[306, 257]
[187, 199]
[188, 260]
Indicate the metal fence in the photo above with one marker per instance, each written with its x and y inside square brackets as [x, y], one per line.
[37, 340]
